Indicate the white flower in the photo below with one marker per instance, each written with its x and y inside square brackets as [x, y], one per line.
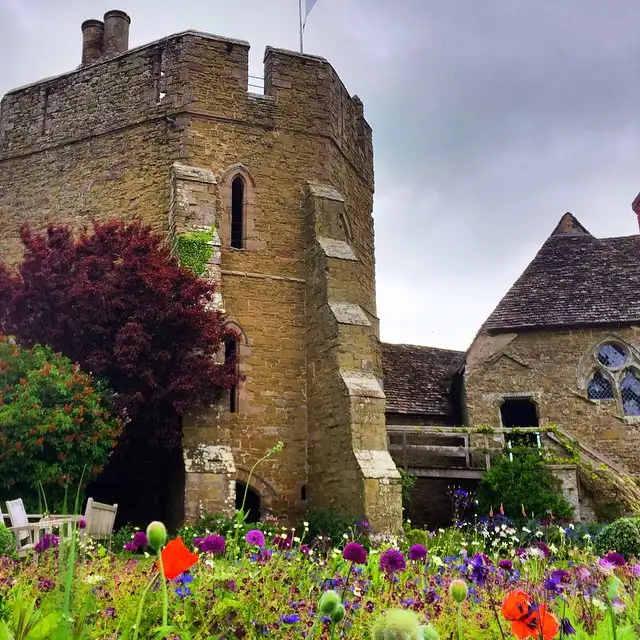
[526, 530]
[437, 561]
[296, 539]
[93, 579]
[345, 536]
[306, 524]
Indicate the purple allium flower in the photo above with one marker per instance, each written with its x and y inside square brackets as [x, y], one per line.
[283, 543]
[567, 627]
[307, 550]
[354, 552]
[417, 552]
[130, 546]
[48, 541]
[392, 561]
[81, 524]
[255, 537]
[615, 558]
[544, 548]
[212, 543]
[290, 618]
[140, 539]
[506, 564]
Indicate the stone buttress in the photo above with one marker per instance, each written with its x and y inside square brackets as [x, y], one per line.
[349, 466]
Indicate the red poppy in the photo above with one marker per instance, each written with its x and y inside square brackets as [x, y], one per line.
[526, 621]
[176, 558]
[516, 605]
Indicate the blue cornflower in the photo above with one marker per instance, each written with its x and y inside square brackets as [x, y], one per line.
[290, 618]
[183, 592]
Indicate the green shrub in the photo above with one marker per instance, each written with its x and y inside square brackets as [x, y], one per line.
[525, 481]
[328, 524]
[7, 542]
[56, 428]
[407, 485]
[417, 536]
[622, 536]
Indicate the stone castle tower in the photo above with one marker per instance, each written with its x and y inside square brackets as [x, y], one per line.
[168, 133]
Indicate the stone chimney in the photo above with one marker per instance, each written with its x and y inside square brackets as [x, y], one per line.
[636, 208]
[116, 33]
[92, 39]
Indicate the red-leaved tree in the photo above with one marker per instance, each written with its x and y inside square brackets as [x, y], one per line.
[115, 301]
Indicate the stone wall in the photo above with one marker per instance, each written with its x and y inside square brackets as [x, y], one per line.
[158, 133]
[552, 368]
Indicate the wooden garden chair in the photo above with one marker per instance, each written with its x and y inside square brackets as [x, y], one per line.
[100, 519]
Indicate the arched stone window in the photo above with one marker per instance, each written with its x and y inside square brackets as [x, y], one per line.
[615, 376]
[236, 191]
[630, 392]
[237, 212]
[235, 348]
[600, 387]
[231, 352]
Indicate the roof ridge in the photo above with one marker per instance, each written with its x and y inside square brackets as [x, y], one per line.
[421, 346]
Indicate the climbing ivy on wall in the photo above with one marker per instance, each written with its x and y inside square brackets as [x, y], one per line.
[194, 250]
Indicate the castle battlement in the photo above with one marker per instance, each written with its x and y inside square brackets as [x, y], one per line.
[183, 75]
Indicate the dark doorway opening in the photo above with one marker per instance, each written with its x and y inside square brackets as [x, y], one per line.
[520, 413]
[252, 503]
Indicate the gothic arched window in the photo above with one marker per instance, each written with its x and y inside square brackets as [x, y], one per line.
[616, 377]
[630, 393]
[599, 387]
[237, 212]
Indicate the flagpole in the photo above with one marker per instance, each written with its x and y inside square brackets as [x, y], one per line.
[301, 27]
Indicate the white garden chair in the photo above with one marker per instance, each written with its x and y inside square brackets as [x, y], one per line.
[27, 533]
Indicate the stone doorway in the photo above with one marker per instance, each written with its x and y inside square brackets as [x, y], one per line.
[252, 503]
[520, 413]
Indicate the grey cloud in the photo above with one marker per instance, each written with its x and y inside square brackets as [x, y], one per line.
[490, 119]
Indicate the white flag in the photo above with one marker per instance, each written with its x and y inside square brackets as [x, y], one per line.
[310, 4]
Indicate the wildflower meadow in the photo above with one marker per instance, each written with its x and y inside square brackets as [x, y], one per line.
[489, 578]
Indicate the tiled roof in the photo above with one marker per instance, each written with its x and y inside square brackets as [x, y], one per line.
[574, 280]
[417, 380]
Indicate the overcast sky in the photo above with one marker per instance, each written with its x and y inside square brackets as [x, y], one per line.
[491, 118]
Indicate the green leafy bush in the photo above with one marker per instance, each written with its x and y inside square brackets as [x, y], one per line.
[7, 542]
[525, 481]
[417, 536]
[56, 431]
[329, 524]
[622, 536]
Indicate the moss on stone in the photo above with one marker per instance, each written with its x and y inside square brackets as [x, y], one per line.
[195, 249]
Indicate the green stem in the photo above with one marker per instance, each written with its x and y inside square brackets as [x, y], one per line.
[165, 594]
[346, 582]
[613, 622]
[459, 621]
[139, 616]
